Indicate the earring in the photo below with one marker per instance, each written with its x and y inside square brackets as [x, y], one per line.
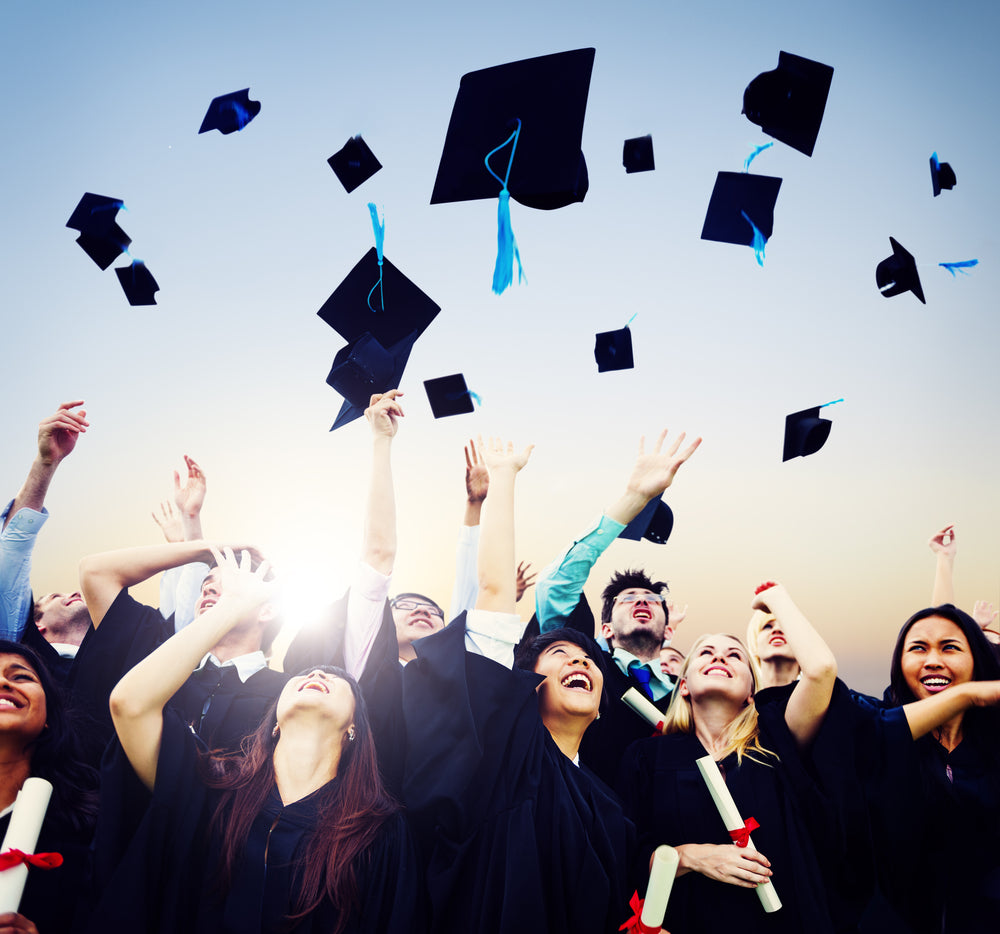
[275, 731]
[598, 717]
[350, 734]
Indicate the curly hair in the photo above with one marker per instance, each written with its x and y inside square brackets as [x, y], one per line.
[627, 580]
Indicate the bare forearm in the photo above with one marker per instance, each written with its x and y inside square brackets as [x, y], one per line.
[473, 513]
[944, 580]
[35, 487]
[192, 527]
[379, 547]
[497, 590]
[931, 712]
[627, 507]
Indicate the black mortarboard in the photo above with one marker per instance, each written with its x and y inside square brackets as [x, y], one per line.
[637, 155]
[654, 523]
[449, 395]
[613, 350]
[736, 194]
[364, 367]
[100, 236]
[549, 96]
[942, 175]
[138, 283]
[230, 112]
[898, 273]
[805, 433]
[354, 163]
[788, 103]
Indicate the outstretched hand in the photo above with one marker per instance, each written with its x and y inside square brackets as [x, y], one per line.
[984, 614]
[383, 413]
[499, 456]
[942, 542]
[243, 590]
[190, 497]
[477, 477]
[169, 521]
[524, 579]
[655, 471]
[58, 434]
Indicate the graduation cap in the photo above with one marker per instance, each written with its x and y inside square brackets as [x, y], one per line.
[548, 95]
[354, 164]
[613, 350]
[230, 112]
[449, 395]
[138, 283]
[380, 341]
[654, 523]
[637, 154]
[805, 432]
[100, 236]
[788, 103]
[942, 175]
[898, 273]
[741, 210]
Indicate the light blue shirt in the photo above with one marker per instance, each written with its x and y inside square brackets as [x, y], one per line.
[660, 685]
[17, 542]
[559, 586]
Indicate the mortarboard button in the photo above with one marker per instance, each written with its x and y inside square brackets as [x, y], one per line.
[365, 366]
[637, 155]
[138, 283]
[613, 350]
[739, 203]
[230, 112]
[449, 395]
[354, 164]
[805, 433]
[788, 103]
[100, 236]
[548, 95]
[654, 523]
[897, 274]
[942, 175]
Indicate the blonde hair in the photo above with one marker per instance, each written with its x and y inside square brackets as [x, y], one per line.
[754, 628]
[742, 735]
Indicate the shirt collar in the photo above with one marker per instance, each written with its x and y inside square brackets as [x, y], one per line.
[245, 665]
[623, 659]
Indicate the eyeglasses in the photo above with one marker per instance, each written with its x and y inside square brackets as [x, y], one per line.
[636, 597]
[414, 604]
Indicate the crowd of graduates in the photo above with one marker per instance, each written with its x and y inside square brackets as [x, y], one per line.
[400, 768]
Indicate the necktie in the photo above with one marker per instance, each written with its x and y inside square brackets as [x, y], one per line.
[642, 674]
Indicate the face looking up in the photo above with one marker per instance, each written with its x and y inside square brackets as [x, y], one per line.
[573, 682]
[717, 665]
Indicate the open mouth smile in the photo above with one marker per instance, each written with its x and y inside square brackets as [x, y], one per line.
[578, 681]
[934, 683]
[315, 686]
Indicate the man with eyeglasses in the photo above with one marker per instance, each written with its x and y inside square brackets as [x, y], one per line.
[634, 610]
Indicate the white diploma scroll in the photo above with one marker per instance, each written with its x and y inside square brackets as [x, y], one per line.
[731, 818]
[661, 881]
[22, 834]
[643, 706]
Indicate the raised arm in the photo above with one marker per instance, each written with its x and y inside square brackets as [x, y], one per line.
[942, 543]
[138, 700]
[810, 698]
[497, 587]
[379, 547]
[190, 498]
[477, 485]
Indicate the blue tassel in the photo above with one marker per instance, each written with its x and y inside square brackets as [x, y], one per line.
[507, 252]
[455, 396]
[934, 161]
[757, 151]
[835, 401]
[962, 267]
[758, 240]
[242, 114]
[379, 241]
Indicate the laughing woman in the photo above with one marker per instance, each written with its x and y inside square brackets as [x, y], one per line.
[295, 833]
[758, 752]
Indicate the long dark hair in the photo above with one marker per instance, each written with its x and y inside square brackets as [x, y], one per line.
[349, 818]
[57, 754]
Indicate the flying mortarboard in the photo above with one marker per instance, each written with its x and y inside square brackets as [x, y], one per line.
[449, 395]
[364, 367]
[613, 350]
[637, 155]
[741, 210]
[806, 432]
[788, 103]
[654, 523]
[230, 112]
[100, 236]
[354, 164]
[897, 274]
[942, 175]
[138, 283]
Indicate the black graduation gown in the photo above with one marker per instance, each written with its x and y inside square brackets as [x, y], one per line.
[517, 837]
[166, 882]
[667, 798]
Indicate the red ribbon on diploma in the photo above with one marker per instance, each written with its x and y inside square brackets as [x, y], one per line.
[11, 858]
[741, 836]
[634, 924]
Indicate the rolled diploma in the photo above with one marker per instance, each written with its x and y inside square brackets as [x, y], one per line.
[22, 834]
[661, 881]
[643, 706]
[731, 818]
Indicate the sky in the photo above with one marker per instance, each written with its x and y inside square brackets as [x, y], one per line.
[248, 234]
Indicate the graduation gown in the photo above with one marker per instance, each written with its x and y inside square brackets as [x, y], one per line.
[166, 883]
[667, 798]
[517, 837]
